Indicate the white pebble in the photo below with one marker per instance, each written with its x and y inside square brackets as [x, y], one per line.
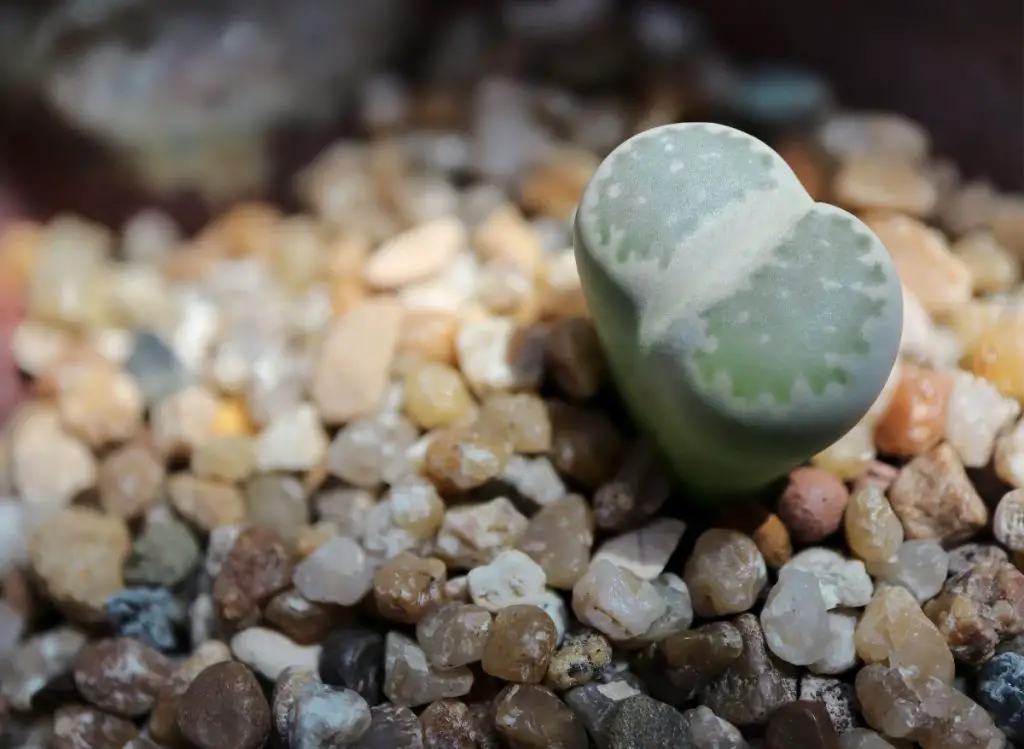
[644, 551]
[512, 578]
[616, 602]
[292, 441]
[977, 412]
[1008, 520]
[269, 652]
[337, 572]
[840, 651]
[844, 582]
[795, 619]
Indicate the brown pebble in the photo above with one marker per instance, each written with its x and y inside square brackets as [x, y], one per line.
[76, 727]
[916, 418]
[205, 503]
[585, 446]
[121, 675]
[408, 587]
[454, 635]
[224, 708]
[392, 727]
[801, 725]
[521, 643]
[303, 621]
[812, 504]
[163, 720]
[257, 567]
[448, 724]
[574, 357]
[559, 538]
[463, 458]
[766, 528]
[532, 717]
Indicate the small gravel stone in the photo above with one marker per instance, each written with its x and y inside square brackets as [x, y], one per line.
[578, 661]
[224, 708]
[258, 566]
[277, 501]
[531, 716]
[38, 661]
[1009, 455]
[228, 457]
[364, 450]
[292, 684]
[38, 443]
[559, 538]
[754, 685]
[725, 573]
[337, 572]
[841, 651]
[705, 730]
[701, 655]
[474, 534]
[934, 498]
[129, 481]
[535, 480]
[391, 727]
[873, 530]
[646, 550]
[512, 578]
[864, 738]
[795, 618]
[801, 725]
[454, 635]
[496, 355]
[416, 254]
[323, 718]
[838, 697]
[410, 680]
[844, 582]
[298, 618]
[642, 721]
[1001, 692]
[121, 675]
[345, 509]
[163, 720]
[150, 615]
[638, 490]
[595, 704]
[155, 366]
[586, 446]
[293, 441]
[977, 413]
[76, 727]
[812, 504]
[99, 403]
[183, 420]
[353, 658]
[204, 503]
[919, 566]
[462, 458]
[1008, 520]
[574, 357]
[270, 653]
[78, 556]
[522, 417]
[351, 373]
[915, 419]
[448, 724]
[436, 396]
[408, 587]
[520, 645]
[616, 602]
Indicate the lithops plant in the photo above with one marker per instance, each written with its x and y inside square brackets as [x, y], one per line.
[747, 327]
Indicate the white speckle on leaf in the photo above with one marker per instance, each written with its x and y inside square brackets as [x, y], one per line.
[614, 191]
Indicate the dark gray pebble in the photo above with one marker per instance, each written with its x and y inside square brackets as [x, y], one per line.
[353, 657]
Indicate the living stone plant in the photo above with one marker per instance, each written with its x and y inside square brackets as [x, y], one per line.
[746, 326]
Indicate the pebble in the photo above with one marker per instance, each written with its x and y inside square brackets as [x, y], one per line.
[353, 658]
[292, 684]
[512, 578]
[883, 134]
[520, 645]
[149, 615]
[459, 459]
[258, 566]
[812, 504]
[844, 582]
[864, 738]
[38, 661]
[934, 498]
[156, 367]
[698, 656]
[801, 724]
[204, 503]
[345, 508]
[795, 618]
[218, 545]
[638, 489]
[496, 355]
[977, 413]
[838, 697]
[894, 630]
[1001, 691]
[448, 724]
[532, 717]
[866, 183]
[642, 721]
[224, 708]
[475, 534]
[292, 441]
[978, 608]
[76, 727]
[595, 704]
[919, 566]
[506, 235]
[269, 653]
[725, 573]
[121, 675]
[705, 730]
[129, 481]
[574, 357]
[454, 635]
[228, 457]
[1008, 456]
[646, 550]
[872, 529]
[1008, 520]
[410, 680]
[535, 480]
[38, 443]
[559, 538]
[841, 651]
[364, 450]
[678, 609]
[436, 396]
[915, 420]
[586, 446]
[163, 720]
[278, 501]
[522, 417]
[391, 727]
[351, 373]
[183, 420]
[324, 718]
[298, 618]
[407, 587]
[337, 572]
[754, 685]
[99, 403]
[965, 558]
[13, 544]
[416, 254]
[616, 602]
[578, 661]
[78, 556]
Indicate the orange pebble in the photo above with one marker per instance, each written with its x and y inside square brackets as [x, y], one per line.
[916, 418]
[232, 418]
[998, 356]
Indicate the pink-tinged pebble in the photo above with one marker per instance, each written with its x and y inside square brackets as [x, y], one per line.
[812, 505]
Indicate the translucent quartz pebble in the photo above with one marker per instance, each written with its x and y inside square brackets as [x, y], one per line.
[919, 566]
[795, 619]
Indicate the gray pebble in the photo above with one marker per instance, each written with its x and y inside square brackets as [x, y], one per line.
[595, 704]
[324, 718]
[156, 367]
[838, 697]
[641, 722]
[164, 554]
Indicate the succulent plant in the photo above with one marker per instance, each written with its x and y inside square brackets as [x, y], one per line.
[747, 327]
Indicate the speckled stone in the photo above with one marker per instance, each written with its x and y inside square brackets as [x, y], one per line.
[642, 721]
[224, 708]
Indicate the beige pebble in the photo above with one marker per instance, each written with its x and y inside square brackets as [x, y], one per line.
[1009, 455]
[228, 457]
[561, 291]
[616, 602]
[869, 182]
[182, 420]
[292, 441]
[495, 354]
[130, 481]
[205, 503]
[416, 254]
[505, 234]
[39, 444]
[993, 268]
[99, 402]
[351, 374]
[78, 555]
[938, 278]
[644, 551]
[449, 291]
[976, 413]
[38, 346]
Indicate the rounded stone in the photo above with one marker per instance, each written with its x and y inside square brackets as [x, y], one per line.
[747, 326]
[1001, 692]
[643, 721]
[224, 708]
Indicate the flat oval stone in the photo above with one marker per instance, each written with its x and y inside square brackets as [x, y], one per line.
[747, 326]
[801, 725]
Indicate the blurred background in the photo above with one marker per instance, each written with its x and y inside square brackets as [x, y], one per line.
[111, 105]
